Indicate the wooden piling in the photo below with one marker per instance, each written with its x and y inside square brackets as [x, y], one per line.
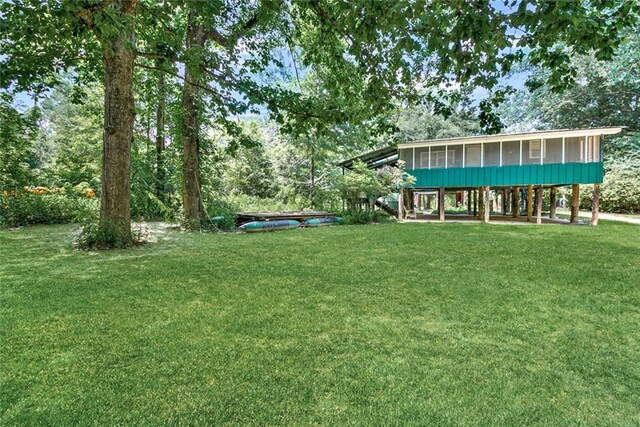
[515, 207]
[503, 195]
[530, 203]
[596, 204]
[441, 203]
[475, 202]
[487, 209]
[539, 191]
[575, 203]
[552, 202]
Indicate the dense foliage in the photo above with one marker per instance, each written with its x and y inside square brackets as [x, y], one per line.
[251, 104]
[607, 94]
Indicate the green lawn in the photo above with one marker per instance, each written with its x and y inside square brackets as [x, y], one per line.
[446, 324]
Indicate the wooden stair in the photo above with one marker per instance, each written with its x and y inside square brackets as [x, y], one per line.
[385, 207]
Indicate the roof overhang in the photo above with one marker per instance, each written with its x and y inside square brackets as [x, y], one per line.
[547, 134]
[374, 159]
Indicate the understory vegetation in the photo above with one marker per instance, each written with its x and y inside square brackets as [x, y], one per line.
[324, 326]
[56, 144]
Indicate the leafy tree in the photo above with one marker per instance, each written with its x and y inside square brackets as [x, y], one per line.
[17, 155]
[366, 57]
[71, 135]
[607, 93]
[364, 183]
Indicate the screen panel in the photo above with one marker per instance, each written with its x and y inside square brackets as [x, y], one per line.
[553, 150]
[491, 154]
[510, 153]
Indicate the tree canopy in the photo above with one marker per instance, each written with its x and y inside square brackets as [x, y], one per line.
[314, 67]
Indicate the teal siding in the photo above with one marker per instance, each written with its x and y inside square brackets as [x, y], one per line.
[552, 174]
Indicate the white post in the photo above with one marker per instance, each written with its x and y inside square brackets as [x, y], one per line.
[482, 155]
[500, 153]
[563, 150]
[542, 141]
[463, 158]
[413, 166]
[429, 165]
[446, 156]
[520, 152]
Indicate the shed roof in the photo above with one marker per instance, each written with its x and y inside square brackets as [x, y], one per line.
[380, 157]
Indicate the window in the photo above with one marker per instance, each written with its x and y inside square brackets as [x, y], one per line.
[472, 155]
[424, 159]
[535, 149]
[438, 157]
[593, 148]
[574, 150]
[531, 150]
[406, 155]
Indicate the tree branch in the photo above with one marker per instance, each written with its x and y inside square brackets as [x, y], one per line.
[153, 55]
[173, 73]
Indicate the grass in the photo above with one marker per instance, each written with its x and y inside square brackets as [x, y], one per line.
[443, 324]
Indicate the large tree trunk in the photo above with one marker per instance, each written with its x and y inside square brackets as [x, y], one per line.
[194, 213]
[312, 172]
[119, 117]
[160, 116]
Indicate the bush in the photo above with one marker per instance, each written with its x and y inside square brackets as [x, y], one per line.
[364, 217]
[94, 235]
[222, 214]
[243, 202]
[620, 191]
[37, 206]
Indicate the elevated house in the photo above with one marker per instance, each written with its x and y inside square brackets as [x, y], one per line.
[512, 165]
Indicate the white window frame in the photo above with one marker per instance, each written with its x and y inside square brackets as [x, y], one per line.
[475, 147]
[422, 157]
[437, 154]
[539, 150]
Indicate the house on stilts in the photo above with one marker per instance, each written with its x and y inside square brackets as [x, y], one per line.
[513, 168]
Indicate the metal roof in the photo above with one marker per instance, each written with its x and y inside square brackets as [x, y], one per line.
[373, 159]
[389, 155]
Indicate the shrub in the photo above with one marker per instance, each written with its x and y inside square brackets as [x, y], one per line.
[364, 217]
[222, 215]
[38, 205]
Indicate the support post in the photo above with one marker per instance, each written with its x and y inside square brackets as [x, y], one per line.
[481, 203]
[475, 202]
[504, 201]
[400, 203]
[487, 210]
[575, 203]
[596, 204]
[469, 202]
[552, 202]
[539, 191]
[441, 203]
[530, 203]
[515, 208]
